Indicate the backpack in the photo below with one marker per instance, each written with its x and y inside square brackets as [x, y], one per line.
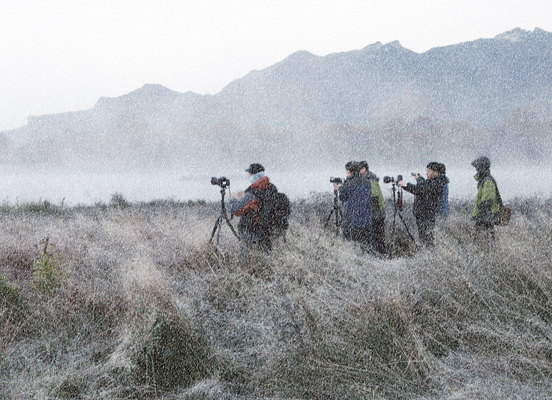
[504, 212]
[272, 217]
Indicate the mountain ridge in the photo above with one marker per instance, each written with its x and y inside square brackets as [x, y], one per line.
[479, 82]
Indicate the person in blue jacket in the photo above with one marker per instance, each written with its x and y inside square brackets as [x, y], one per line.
[378, 208]
[356, 197]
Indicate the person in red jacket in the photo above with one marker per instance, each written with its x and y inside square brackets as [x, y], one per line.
[246, 206]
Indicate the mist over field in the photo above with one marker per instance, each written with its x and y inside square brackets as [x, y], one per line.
[72, 188]
[145, 162]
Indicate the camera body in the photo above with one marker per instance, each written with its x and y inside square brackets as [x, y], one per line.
[390, 179]
[336, 181]
[222, 182]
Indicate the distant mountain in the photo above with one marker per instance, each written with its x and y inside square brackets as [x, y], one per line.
[151, 104]
[478, 82]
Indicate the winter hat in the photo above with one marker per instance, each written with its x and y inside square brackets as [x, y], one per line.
[255, 169]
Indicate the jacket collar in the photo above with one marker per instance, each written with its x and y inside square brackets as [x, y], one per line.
[262, 184]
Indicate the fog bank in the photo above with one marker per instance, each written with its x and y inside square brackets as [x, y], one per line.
[72, 188]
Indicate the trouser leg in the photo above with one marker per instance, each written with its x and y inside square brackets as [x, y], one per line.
[264, 245]
[426, 230]
[485, 232]
[364, 237]
[346, 233]
[379, 235]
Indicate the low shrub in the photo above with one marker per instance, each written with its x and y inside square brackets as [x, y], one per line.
[49, 272]
[9, 293]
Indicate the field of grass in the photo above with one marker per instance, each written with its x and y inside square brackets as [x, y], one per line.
[129, 301]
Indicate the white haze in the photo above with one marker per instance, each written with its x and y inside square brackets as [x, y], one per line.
[90, 188]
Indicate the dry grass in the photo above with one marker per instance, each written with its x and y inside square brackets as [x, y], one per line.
[144, 308]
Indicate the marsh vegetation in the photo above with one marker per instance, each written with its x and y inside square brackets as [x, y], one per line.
[125, 300]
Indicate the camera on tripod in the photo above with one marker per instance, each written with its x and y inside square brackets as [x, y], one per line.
[390, 179]
[336, 181]
[222, 182]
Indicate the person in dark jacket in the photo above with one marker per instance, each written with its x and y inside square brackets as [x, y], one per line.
[378, 208]
[444, 208]
[356, 197]
[486, 210]
[427, 198]
[246, 206]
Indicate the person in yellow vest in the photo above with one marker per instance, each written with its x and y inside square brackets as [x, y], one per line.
[487, 205]
[378, 210]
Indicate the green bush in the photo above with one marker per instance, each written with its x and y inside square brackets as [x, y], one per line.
[171, 355]
[48, 272]
[9, 293]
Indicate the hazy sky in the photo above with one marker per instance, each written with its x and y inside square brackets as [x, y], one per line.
[58, 56]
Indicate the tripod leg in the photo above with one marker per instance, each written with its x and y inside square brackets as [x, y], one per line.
[218, 233]
[231, 227]
[406, 227]
[394, 222]
[326, 223]
[328, 219]
[391, 235]
[337, 212]
[217, 226]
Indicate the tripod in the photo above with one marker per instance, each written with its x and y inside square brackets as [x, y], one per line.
[338, 214]
[396, 211]
[218, 224]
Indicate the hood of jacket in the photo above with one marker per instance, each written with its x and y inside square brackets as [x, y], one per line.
[372, 176]
[482, 165]
[441, 178]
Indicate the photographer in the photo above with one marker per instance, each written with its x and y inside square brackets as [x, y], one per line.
[246, 206]
[487, 203]
[427, 198]
[356, 196]
[378, 209]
